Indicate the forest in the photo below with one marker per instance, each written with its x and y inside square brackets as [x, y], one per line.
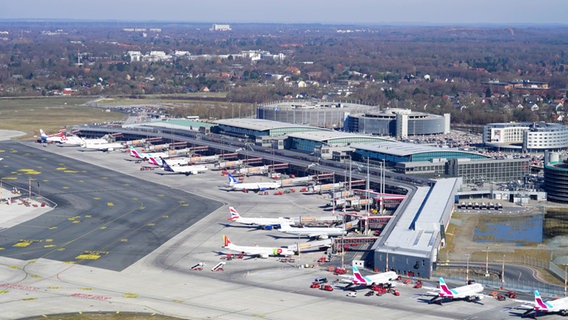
[478, 74]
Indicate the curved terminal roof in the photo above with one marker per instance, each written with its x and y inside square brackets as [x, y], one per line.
[262, 125]
[330, 136]
[414, 152]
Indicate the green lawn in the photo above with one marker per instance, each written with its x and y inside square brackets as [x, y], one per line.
[49, 113]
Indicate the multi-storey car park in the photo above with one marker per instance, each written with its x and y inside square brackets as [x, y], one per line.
[358, 118]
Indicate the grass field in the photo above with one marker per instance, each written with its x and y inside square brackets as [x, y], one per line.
[49, 114]
[103, 316]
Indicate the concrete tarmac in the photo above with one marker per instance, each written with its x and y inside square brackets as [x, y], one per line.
[159, 280]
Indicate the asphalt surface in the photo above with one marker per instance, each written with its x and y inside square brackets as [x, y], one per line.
[102, 219]
[157, 279]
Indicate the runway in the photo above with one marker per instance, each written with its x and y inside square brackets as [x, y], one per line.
[102, 219]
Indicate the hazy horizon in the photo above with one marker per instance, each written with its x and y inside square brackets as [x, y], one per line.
[375, 12]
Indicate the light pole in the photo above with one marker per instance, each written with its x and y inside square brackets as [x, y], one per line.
[503, 272]
[467, 255]
[487, 262]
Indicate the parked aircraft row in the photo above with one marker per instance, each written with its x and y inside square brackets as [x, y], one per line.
[86, 144]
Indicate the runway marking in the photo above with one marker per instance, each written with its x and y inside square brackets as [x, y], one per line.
[54, 287]
[88, 216]
[123, 240]
[61, 169]
[18, 287]
[52, 228]
[29, 171]
[29, 299]
[110, 204]
[165, 216]
[161, 195]
[151, 224]
[73, 218]
[4, 291]
[65, 187]
[23, 243]
[130, 295]
[90, 296]
[47, 246]
[103, 227]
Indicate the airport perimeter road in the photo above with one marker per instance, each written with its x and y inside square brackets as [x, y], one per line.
[102, 219]
[161, 281]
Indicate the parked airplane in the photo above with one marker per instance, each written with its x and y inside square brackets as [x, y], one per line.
[187, 170]
[312, 232]
[71, 141]
[470, 292]
[236, 185]
[267, 223]
[101, 146]
[379, 278]
[159, 161]
[56, 137]
[146, 155]
[559, 306]
[262, 252]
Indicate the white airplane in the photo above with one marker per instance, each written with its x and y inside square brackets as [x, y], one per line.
[146, 155]
[470, 293]
[236, 185]
[101, 146]
[262, 252]
[312, 232]
[187, 170]
[181, 161]
[56, 137]
[379, 278]
[267, 223]
[71, 141]
[559, 306]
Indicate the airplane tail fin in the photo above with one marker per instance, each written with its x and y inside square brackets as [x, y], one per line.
[153, 161]
[234, 214]
[166, 165]
[226, 241]
[232, 180]
[42, 134]
[133, 152]
[444, 289]
[538, 302]
[357, 275]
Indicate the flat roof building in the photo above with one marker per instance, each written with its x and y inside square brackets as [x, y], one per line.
[410, 242]
[394, 152]
[308, 142]
[256, 128]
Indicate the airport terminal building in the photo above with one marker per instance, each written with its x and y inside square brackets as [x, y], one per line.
[410, 242]
[526, 136]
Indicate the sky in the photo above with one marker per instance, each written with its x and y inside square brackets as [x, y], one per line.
[419, 12]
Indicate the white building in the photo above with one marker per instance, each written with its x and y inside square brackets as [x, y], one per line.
[221, 27]
[526, 136]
